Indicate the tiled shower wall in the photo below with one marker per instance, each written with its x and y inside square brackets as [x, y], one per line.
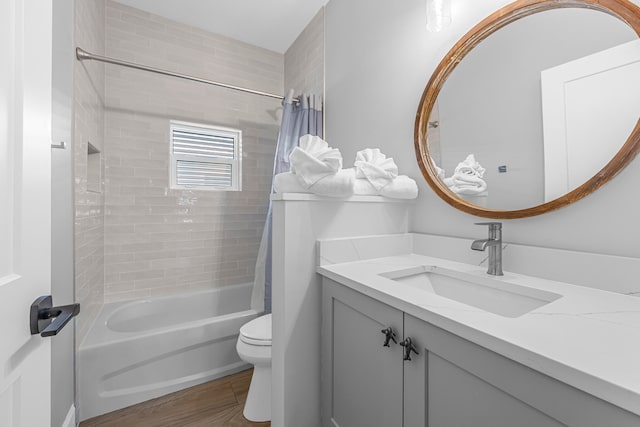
[89, 85]
[160, 241]
[304, 60]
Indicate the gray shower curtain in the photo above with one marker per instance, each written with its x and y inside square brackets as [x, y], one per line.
[298, 118]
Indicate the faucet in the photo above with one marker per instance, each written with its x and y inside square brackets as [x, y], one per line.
[494, 242]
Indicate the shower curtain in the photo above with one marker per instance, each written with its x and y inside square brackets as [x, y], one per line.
[298, 119]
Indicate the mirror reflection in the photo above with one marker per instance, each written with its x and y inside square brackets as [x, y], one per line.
[537, 108]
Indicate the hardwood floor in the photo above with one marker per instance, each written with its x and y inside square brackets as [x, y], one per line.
[218, 403]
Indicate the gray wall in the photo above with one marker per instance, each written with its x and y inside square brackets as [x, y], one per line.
[378, 61]
[62, 280]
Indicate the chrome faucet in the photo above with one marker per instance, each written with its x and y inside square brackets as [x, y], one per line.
[494, 242]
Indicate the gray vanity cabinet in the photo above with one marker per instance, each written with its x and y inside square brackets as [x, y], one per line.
[451, 382]
[361, 379]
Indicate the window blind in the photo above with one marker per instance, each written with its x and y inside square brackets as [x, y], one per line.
[205, 157]
[201, 174]
[201, 144]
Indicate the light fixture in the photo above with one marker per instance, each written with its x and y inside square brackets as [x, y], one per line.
[438, 14]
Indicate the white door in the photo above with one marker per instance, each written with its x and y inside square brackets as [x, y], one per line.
[25, 243]
[589, 108]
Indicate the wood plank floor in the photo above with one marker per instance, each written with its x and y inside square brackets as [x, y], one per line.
[217, 403]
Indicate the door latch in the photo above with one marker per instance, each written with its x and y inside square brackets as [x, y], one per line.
[47, 320]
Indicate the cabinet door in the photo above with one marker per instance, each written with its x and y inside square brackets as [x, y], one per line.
[453, 382]
[361, 379]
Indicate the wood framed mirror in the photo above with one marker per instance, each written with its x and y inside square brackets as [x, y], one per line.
[453, 120]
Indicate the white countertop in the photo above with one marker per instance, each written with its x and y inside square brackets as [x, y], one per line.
[588, 338]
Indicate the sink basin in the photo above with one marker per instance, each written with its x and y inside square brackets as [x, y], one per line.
[496, 296]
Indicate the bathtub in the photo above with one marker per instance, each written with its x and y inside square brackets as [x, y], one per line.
[139, 350]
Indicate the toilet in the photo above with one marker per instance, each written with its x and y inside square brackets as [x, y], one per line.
[254, 346]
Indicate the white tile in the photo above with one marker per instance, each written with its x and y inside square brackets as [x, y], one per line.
[159, 239]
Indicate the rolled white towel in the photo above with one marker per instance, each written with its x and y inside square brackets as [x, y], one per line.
[467, 178]
[340, 184]
[362, 187]
[374, 166]
[466, 184]
[337, 185]
[402, 187]
[314, 160]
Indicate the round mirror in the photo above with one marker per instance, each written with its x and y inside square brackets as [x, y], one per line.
[527, 119]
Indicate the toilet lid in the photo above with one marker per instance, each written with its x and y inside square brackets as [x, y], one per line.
[258, 331]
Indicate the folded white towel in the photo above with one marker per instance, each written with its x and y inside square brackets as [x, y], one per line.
[402, 187]
[467, 178]
[340, 184]
[466, 187]
[314, 160]
[374, 166]
[362, 187]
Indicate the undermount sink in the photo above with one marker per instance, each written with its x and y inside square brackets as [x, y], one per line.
[496, 296]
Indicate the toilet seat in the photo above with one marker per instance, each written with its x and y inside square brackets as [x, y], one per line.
[257, 332]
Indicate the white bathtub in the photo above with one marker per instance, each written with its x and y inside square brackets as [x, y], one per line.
[144, 349]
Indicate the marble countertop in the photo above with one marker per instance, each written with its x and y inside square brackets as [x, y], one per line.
[588, 338]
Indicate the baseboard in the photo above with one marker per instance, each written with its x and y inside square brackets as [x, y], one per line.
[70, 420]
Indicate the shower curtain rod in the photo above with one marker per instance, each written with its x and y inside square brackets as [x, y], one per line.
[83, 55]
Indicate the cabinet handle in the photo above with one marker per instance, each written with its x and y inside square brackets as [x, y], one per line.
[408, 348]
[389, 335]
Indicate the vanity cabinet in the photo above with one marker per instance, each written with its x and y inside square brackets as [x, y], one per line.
[363, 378]
[450, 382]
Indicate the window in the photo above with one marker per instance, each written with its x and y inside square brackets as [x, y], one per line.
[205, 157]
